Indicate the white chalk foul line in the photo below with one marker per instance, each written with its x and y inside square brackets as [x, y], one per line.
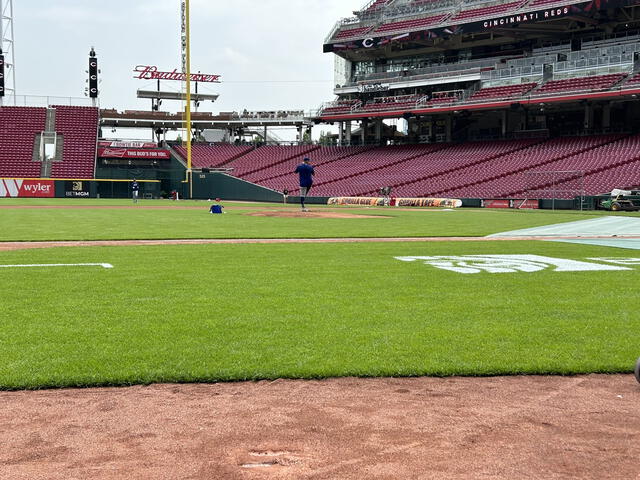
[103, 265]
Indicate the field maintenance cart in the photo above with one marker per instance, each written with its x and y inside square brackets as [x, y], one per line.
[620, 203]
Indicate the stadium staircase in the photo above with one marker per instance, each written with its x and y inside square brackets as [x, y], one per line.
[50, 126]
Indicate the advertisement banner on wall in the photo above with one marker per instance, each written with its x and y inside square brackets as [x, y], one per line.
[127, 144]
[500, 203]
[14, 188]
[129, 153]
[76, 189]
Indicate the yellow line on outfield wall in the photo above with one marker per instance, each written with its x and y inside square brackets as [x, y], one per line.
[80, 179]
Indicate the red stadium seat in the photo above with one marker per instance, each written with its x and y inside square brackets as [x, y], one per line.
[19, 127]
[79, 129]
[470, 170]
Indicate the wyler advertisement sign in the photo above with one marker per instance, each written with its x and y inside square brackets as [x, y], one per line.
[76, 189]
[13, 188]
[134, 153]
[513, 19]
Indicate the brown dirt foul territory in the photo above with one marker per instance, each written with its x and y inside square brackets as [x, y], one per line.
[585, 427]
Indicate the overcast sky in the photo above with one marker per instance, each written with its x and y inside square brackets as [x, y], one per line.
[269, 52]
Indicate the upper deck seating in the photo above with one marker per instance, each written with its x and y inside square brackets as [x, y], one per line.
[438, 100]
[392, 103]
[634, 80]
[341, 106]
[351, 33]
[408, 25]
[599, 82]
[489, 11]
[376, 5]
[503, 92]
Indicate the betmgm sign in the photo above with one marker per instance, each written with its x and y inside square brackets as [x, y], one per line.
[76, 189]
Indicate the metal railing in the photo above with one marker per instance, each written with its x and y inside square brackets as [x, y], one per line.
[420, 74]
[619, 62]
[535, 71]
[45, 101]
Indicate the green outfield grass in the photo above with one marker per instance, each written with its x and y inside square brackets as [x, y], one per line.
[235, 312]
[176, 222]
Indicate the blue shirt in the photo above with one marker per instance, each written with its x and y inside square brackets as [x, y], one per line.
[306, 174]
[135, 187]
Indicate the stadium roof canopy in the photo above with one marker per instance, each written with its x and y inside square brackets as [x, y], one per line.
[394, 30]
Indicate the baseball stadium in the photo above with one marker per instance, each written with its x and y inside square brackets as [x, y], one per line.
[442, 284]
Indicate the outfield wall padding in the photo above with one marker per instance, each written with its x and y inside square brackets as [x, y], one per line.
[398, 202]
[220, 185]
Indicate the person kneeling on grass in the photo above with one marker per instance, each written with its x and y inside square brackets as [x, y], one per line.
[306, 173]
[216, 208]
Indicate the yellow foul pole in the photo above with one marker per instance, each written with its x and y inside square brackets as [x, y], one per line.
[188, 109]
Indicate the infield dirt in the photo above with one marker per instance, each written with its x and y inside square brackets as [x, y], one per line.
[585, 427]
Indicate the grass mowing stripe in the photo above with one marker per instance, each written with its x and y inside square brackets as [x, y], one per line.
[172, 223]
[236, 312]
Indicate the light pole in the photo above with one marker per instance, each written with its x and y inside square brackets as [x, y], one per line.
[186, 69]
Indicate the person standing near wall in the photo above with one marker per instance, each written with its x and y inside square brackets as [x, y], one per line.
[135, 190]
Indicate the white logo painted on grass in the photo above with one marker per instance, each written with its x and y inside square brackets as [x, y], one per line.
[508, 264]
[618, 261]
[103, 265]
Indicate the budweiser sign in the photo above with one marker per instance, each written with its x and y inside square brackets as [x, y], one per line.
[147, 72]
[129, 153]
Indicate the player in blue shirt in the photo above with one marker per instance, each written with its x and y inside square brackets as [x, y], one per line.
[306, 172]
